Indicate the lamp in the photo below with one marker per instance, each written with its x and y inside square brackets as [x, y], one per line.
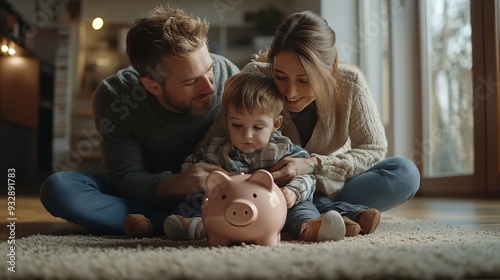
[97, 23]
[7, 47]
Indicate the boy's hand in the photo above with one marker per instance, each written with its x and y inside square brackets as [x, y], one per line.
[290, 197]
[191, 181]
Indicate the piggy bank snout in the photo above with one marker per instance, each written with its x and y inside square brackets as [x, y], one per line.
[241, 212]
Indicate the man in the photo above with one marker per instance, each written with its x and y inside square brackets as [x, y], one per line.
[150, 116]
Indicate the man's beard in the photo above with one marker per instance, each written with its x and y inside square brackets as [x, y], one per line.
[192, 110]
[200, 112]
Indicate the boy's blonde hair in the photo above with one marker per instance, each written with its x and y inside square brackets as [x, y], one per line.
[252, 91]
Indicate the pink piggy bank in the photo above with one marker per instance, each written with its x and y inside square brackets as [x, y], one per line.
[246, 208]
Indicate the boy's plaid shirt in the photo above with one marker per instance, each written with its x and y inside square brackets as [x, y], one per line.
[219, 151]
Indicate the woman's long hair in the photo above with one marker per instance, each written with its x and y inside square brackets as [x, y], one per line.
[309, 36]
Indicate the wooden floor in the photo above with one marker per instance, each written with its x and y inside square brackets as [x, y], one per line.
[30, 216]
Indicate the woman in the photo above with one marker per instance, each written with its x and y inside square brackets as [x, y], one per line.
[333, 116]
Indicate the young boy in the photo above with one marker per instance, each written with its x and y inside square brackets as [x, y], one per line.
[253, 107]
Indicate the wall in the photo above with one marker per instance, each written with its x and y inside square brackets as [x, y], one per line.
[405, 77]
[228, 12]
[342, 16]
[232, 29]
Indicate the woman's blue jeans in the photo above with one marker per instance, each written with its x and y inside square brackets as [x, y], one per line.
[89, 201]
[386, 185]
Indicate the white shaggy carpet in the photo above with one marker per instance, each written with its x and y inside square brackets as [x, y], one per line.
[399, 249]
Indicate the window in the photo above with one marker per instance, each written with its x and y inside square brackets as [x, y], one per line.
[459, 97]
[448, 121]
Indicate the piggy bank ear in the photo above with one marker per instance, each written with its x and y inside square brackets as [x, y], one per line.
[214, 180]
[263, 178]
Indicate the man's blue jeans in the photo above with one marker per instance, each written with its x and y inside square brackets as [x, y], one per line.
[88, 200]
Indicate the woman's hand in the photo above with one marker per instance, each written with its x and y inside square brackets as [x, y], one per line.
[287, 168]
[191, 181]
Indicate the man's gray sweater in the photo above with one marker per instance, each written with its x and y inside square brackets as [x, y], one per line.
[143, 143]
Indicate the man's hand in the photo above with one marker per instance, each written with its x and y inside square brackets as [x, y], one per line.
[287, 168]
[290, 197]
[191, 181]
